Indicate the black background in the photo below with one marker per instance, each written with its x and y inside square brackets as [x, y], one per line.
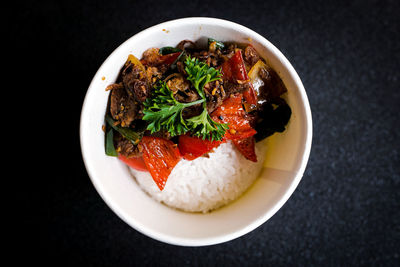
[345, 210]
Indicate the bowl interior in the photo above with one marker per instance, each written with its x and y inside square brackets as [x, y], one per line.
[287, 152]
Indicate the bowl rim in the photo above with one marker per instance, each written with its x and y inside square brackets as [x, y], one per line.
[258, 221]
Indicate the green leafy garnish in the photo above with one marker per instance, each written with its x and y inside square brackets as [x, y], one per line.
[203, 126]
[199, 73]
[164, 112]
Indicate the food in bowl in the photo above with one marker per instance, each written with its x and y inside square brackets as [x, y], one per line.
[190, 121]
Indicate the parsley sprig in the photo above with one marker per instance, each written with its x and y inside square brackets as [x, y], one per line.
[199, 74]
[164, 112]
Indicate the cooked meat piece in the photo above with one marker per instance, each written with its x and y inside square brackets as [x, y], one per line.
[202, 55]
[135, 82]
[229, 51]
[185, 44]
[182, 90]
[126, 147]
[212, 59]
[235, 87]
[153, 74]
[251, 56]
[177, 83]
[273, 85]
[122, 107]
[181, 67]
[184, 93]
[215, 95]
[151, 57]
[161, 134]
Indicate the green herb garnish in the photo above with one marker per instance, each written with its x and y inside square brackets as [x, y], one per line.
[205, 127]
[164, 112]
[199, 74]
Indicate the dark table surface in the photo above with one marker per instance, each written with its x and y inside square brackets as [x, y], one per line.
[345, 210]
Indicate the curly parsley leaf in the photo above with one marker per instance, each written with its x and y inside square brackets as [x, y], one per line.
[199, 74]
[205, 127]
[164, 112]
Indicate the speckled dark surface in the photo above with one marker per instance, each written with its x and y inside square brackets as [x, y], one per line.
[345, 211]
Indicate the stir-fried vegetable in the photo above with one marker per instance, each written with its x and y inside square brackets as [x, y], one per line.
[241, 133]
[135, 61]
[168, 50]
[192, 147]
[126, 132]
[135, 162]
[231, 112]
[109, 143]
[234, 70]
[275, 117]
[160, 156]
[254, 76]
[170, 58]
[246, 147]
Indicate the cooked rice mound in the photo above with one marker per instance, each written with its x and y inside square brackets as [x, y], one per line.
[206, 183]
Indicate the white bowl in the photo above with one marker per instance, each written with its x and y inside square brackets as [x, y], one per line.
[287, 157]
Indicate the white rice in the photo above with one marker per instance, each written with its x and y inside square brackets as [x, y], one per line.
[205, 184]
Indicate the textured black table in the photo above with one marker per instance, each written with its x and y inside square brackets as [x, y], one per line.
[345, 210]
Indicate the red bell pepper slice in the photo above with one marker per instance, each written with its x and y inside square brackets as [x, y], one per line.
[246, 146]
[231, 112]
[192, 147]
[233, 70]
[169, 58]
[250, 96]
[136, 163]
[160, 156]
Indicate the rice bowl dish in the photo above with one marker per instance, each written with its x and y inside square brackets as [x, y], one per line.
[196, 117]
[282, 171]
